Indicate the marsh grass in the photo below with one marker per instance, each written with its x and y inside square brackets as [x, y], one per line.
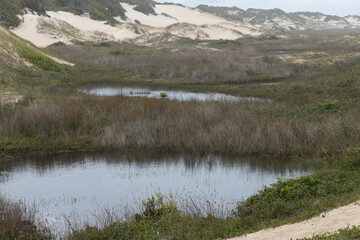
[120, 123]
[17, 221]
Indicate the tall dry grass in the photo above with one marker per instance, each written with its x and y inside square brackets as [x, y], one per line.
[203, 127]
[17, 221]
[241, 65]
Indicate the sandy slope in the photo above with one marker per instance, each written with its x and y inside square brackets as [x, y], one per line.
[188, 15]
[28, 29]
[327, 222]
[157, 21]
[91, 27]
[65, 26]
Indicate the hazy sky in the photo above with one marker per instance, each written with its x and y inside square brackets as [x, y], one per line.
[336, 7]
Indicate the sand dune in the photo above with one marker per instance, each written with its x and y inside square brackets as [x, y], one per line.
[158, 21]
[327, 222]
[177, 20]
[188, 15]
[28, 29]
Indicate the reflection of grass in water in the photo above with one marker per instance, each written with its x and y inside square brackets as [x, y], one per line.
[143, 93]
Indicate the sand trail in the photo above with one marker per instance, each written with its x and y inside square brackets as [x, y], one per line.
[327, 222]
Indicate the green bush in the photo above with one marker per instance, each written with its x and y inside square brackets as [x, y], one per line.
[163, 95]
[59, 43]
[41, 61]
[155, 208]
[353, 158]
[329, 106]
[291, 197]
[102, 44]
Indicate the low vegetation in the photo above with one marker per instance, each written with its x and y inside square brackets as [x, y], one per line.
[343, 234]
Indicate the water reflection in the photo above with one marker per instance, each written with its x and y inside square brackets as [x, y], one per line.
[77, 185]
[172, 95]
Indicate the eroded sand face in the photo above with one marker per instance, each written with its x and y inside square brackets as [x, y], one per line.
[327, 222]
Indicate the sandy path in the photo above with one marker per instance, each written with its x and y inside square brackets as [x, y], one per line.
[60, 61]
[327, 222]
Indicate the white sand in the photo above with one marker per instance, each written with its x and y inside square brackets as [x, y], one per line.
[352, 20]
[327, 222]
[88, 29]
[188, 15]
[217, 32]
[65, 26]
[158, 21]
[28, 29]
[90, 26]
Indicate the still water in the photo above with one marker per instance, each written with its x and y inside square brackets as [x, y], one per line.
[172, 95]
[80, 187]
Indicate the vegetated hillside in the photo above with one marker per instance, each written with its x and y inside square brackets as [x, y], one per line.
[23, 67]
[280, 20]
[104, 10]
[143, 6]
[232, 14]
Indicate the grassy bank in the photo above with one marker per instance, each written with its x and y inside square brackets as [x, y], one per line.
[343, 234]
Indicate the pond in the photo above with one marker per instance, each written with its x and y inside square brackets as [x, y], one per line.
[172, 95]
[82, 187]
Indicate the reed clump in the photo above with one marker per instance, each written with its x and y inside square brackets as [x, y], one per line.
[17, 221]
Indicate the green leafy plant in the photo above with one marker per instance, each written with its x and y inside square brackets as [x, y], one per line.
[41, 61]
[102, 44]
[329, 106]
[353, 158]
[59, 43]
[163, 95]
[155, 208]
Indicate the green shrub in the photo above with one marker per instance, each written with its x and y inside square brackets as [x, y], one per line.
[120, 52]
[102, 44]
[155, 208]
[41, 61]
[163, 95]
[59, 43]
[329, 106]
[353, 158]
[291, 197]
[77, 42]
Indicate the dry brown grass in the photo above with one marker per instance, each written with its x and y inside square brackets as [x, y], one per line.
[120, 123]
[17, 221]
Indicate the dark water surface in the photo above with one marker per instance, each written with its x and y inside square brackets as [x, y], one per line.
[80, 186]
